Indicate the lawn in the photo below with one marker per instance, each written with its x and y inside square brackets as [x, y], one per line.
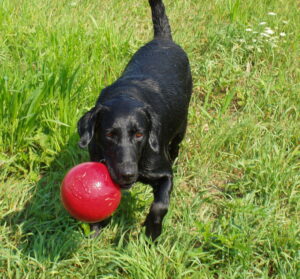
[235, 209]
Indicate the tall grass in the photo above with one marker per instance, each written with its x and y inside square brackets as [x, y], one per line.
[235, 207]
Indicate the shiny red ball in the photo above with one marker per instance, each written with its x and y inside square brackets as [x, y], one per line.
[89, 194]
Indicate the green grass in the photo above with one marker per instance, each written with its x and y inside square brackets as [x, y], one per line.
[235, 209]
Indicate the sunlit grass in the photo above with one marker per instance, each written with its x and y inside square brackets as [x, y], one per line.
[235, 207]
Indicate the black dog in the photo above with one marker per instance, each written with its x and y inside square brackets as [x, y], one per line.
[138, 121]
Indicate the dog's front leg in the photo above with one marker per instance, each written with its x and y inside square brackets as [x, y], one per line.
[159, 208]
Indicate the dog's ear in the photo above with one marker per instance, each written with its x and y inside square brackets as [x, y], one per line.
[154, 129]
[86, 125]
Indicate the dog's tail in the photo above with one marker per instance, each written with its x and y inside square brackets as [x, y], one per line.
[160, 20]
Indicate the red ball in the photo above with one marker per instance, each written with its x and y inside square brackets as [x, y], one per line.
[89, 194]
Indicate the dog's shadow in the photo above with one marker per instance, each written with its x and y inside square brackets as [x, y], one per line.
[44, 228]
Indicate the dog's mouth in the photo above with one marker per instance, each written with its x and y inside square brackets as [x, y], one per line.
[126, 186]
[123, 185]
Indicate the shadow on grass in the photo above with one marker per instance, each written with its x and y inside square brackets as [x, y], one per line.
[48, 232]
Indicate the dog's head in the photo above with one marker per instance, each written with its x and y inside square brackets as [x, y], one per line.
[121, 128]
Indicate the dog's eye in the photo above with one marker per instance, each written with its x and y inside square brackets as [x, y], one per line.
[138, 135]
[109, 135]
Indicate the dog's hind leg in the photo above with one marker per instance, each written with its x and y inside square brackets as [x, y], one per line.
[97, 227]
[174, 145]
[96, 156]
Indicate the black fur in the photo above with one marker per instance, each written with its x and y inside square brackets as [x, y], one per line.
[138, 121]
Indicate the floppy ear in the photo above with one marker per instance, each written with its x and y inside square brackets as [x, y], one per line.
[154, 129]
[86, 125]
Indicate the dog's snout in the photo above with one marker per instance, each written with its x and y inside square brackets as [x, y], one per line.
[128, 172]
[128, 175]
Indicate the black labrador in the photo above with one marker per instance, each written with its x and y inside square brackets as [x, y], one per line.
[138, 122]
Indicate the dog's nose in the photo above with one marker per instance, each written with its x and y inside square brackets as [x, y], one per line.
[128, 176]
[128, 173]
